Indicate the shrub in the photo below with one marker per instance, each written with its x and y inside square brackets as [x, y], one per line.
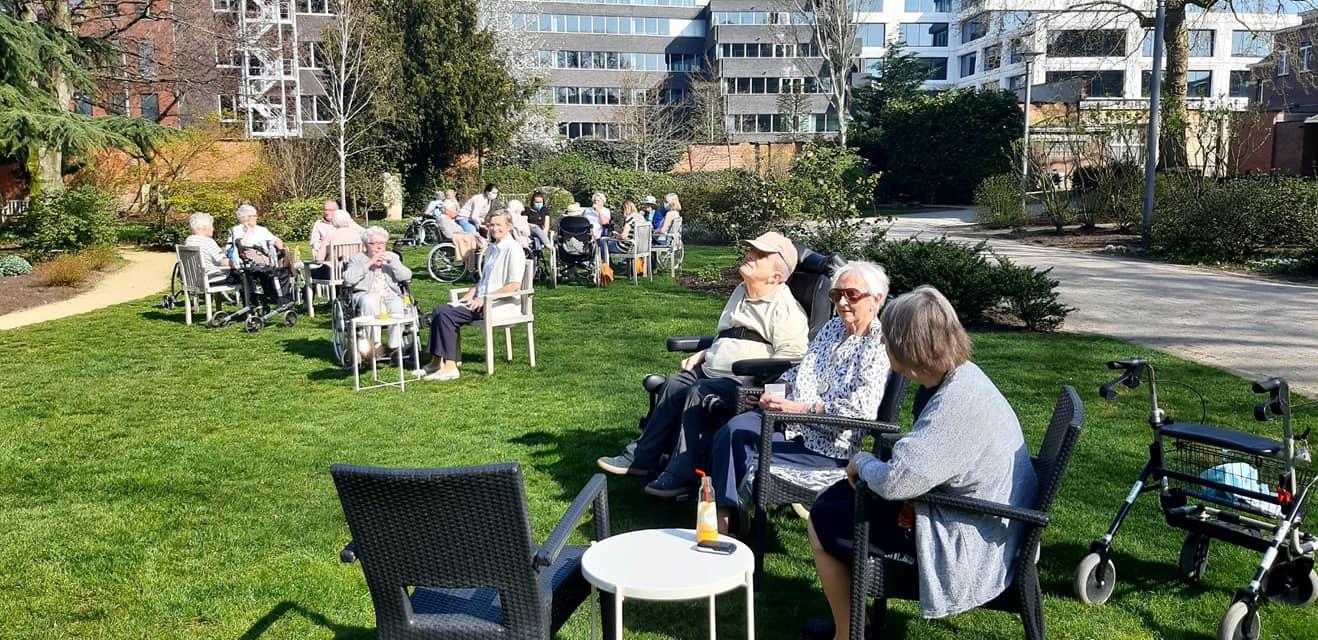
[101, 256]
[963, 273]
[998, 202]
[69, 270]
[1057, 207]
[832, 183]
[1030, 295]
[1110, 193]
[12, 265]
[761, 204]
[292, 219]
[1243, 216]
[66, 221]
[972, 282]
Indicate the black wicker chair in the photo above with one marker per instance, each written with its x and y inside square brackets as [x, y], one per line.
[886, 578]
[448, 553]
[770, 490]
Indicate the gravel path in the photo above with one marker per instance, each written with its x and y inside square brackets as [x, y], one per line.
[146, 273]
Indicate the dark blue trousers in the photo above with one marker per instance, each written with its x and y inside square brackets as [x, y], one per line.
[736, 449]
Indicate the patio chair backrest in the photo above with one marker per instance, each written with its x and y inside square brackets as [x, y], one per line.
[810, 283]
[452, 528]
[1058, 443]
[340, 253]
[641, 243]
[528, 284]
[191, 268]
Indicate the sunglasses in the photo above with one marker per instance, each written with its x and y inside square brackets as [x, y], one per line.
[853, 295]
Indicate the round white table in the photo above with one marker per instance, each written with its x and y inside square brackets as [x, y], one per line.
[665, 564]
[410, 323]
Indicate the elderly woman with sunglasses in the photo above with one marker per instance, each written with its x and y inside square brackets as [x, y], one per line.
[842, 374]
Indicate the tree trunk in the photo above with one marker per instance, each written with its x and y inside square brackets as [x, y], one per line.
[342, 148]
[1175, 117]
[45, 163]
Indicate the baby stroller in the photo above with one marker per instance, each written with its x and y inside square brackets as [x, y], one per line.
[1220, 484]
[575, 250]
[266, 284]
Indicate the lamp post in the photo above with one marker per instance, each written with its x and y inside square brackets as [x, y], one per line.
[1028, 57]
[1151, 141]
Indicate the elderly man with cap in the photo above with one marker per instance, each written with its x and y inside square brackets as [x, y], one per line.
[760, 320]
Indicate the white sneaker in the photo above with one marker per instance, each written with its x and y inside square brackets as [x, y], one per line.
[443, 375]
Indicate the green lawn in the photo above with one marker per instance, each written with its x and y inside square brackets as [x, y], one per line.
[164, 481]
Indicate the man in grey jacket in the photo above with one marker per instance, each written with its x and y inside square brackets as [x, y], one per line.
[374, 277]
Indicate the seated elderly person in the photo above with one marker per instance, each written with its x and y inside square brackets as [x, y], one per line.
[965, 441]
[323, 226]
[375, 276]
[631, 219]
[760, 320]
[502, 271]
[342, 230]
[467, 243]
[253, 242]
[521, 228]
[213, 260]
[843, 374]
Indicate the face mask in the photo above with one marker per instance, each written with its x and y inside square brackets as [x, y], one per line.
[538, 206]
[493, 196]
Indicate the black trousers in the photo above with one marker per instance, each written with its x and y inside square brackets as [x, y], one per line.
[677, 413]
[446, 323]
[834, 518]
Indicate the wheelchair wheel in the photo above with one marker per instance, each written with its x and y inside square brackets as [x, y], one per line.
[1293, 584]
[444, 265]
[339, 336]
[1241, 622]
[1094, 579]
[254, 323]
[1194, 558]
[218, 320]
[290, 318]
[428, 234]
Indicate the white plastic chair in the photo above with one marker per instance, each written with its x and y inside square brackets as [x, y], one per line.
[671, 252]
[339, 254]
[489, 323]
[641, 250]
[195, 282]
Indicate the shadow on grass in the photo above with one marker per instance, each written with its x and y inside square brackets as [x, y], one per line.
[175, 316]
[341, 632]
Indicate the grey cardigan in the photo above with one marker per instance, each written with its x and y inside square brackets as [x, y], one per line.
[359, 278]
[967, 441]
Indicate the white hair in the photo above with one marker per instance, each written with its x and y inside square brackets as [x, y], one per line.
[450, 203]
[245, 210]
[200, 221]
[598, 196]
[876, 279]
[342, 219]
[373, 231]
[515, 206]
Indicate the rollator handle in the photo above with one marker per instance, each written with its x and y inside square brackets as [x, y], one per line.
[1269, 385]
[1278, 399]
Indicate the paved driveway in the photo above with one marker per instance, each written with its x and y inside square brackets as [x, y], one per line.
[1250, 326]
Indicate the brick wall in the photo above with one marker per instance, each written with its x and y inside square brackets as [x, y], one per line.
[1288, 147]
[757, 157]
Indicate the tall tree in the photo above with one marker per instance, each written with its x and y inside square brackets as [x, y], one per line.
[459, 95]
[897, 76]
[708, 124]
[648, 120]
[794, 110]
[832, 25]
[43, 61]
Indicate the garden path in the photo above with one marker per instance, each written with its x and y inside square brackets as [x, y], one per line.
[147, 272]
[1253, 327]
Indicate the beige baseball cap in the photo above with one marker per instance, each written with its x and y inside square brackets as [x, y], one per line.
[774, 242]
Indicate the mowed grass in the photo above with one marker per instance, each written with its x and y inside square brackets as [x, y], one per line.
[163, 481]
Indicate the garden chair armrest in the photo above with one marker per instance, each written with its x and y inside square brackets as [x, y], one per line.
[455, 294]
[349, 553]
[986, 507]
[510, 294]
[873, 427]
[763, 368]
[595, 494]
[690, 344]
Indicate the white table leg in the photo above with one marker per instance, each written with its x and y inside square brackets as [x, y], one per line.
[356, 357]
[617, 614]
[750, 605]
[712, 634]
[402, 375]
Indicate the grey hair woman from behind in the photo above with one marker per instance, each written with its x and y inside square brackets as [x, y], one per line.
[213, 258]
[966, 440]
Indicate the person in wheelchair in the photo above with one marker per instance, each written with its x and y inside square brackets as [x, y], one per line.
[375, 277]
[213, 259]
[842, 374]
[467, 243]
[966, 441]
[760, 320]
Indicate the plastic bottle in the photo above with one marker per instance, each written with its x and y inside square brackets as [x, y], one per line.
[706, 511]
[384, 311]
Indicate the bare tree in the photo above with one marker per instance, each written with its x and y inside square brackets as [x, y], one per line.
[794, 109]
[357, 85]
[708, 123]
[648, 118]
[832, 26]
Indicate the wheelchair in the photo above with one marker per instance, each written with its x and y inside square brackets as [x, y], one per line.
[575, 252]
[345, 344]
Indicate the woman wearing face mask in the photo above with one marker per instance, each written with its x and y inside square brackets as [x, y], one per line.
[538, 217]
[472, 216]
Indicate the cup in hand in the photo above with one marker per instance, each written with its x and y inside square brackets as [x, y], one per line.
[775, 390]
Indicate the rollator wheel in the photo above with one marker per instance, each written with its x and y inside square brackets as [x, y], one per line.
[217, 321]
[1094, 579]
[1239, 623]
[254, 323]
[1293, 584]
[167, 302]
[1194, 558]
[290, 318]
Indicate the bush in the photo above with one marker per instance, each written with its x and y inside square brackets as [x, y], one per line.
[1030, 295]
[974, 284]
[292, 219]
[12, 265]
[66, 221]
[761, 204]
[1056, 207]
[832, 184]
[1233, 220]
[69, 270]
[998, 202]
[615, 154]
[1110, 193]
[101, 256]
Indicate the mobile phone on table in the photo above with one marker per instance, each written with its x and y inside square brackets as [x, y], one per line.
[717, 546]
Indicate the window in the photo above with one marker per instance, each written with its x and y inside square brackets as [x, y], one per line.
[1239, 84]
[871, 35]
[109, 8]
[223, 5]
[1016, 82]
[967, 65]
[1072, 43]
[1306, 55]
[1247, 44]
[973, 29]
[1098, 84]
[992, 57]
[1014, 49]
[226, 57]
[118, 104]
[313, 6]
[825, 122]
[1198, 84]
[935, 68]
[82, 105]
[149, 107]
[146, 58]
[1283, 62]
[929, 6]
[924, 34]
[1201, 44]
[870, 66]
[227, 108]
